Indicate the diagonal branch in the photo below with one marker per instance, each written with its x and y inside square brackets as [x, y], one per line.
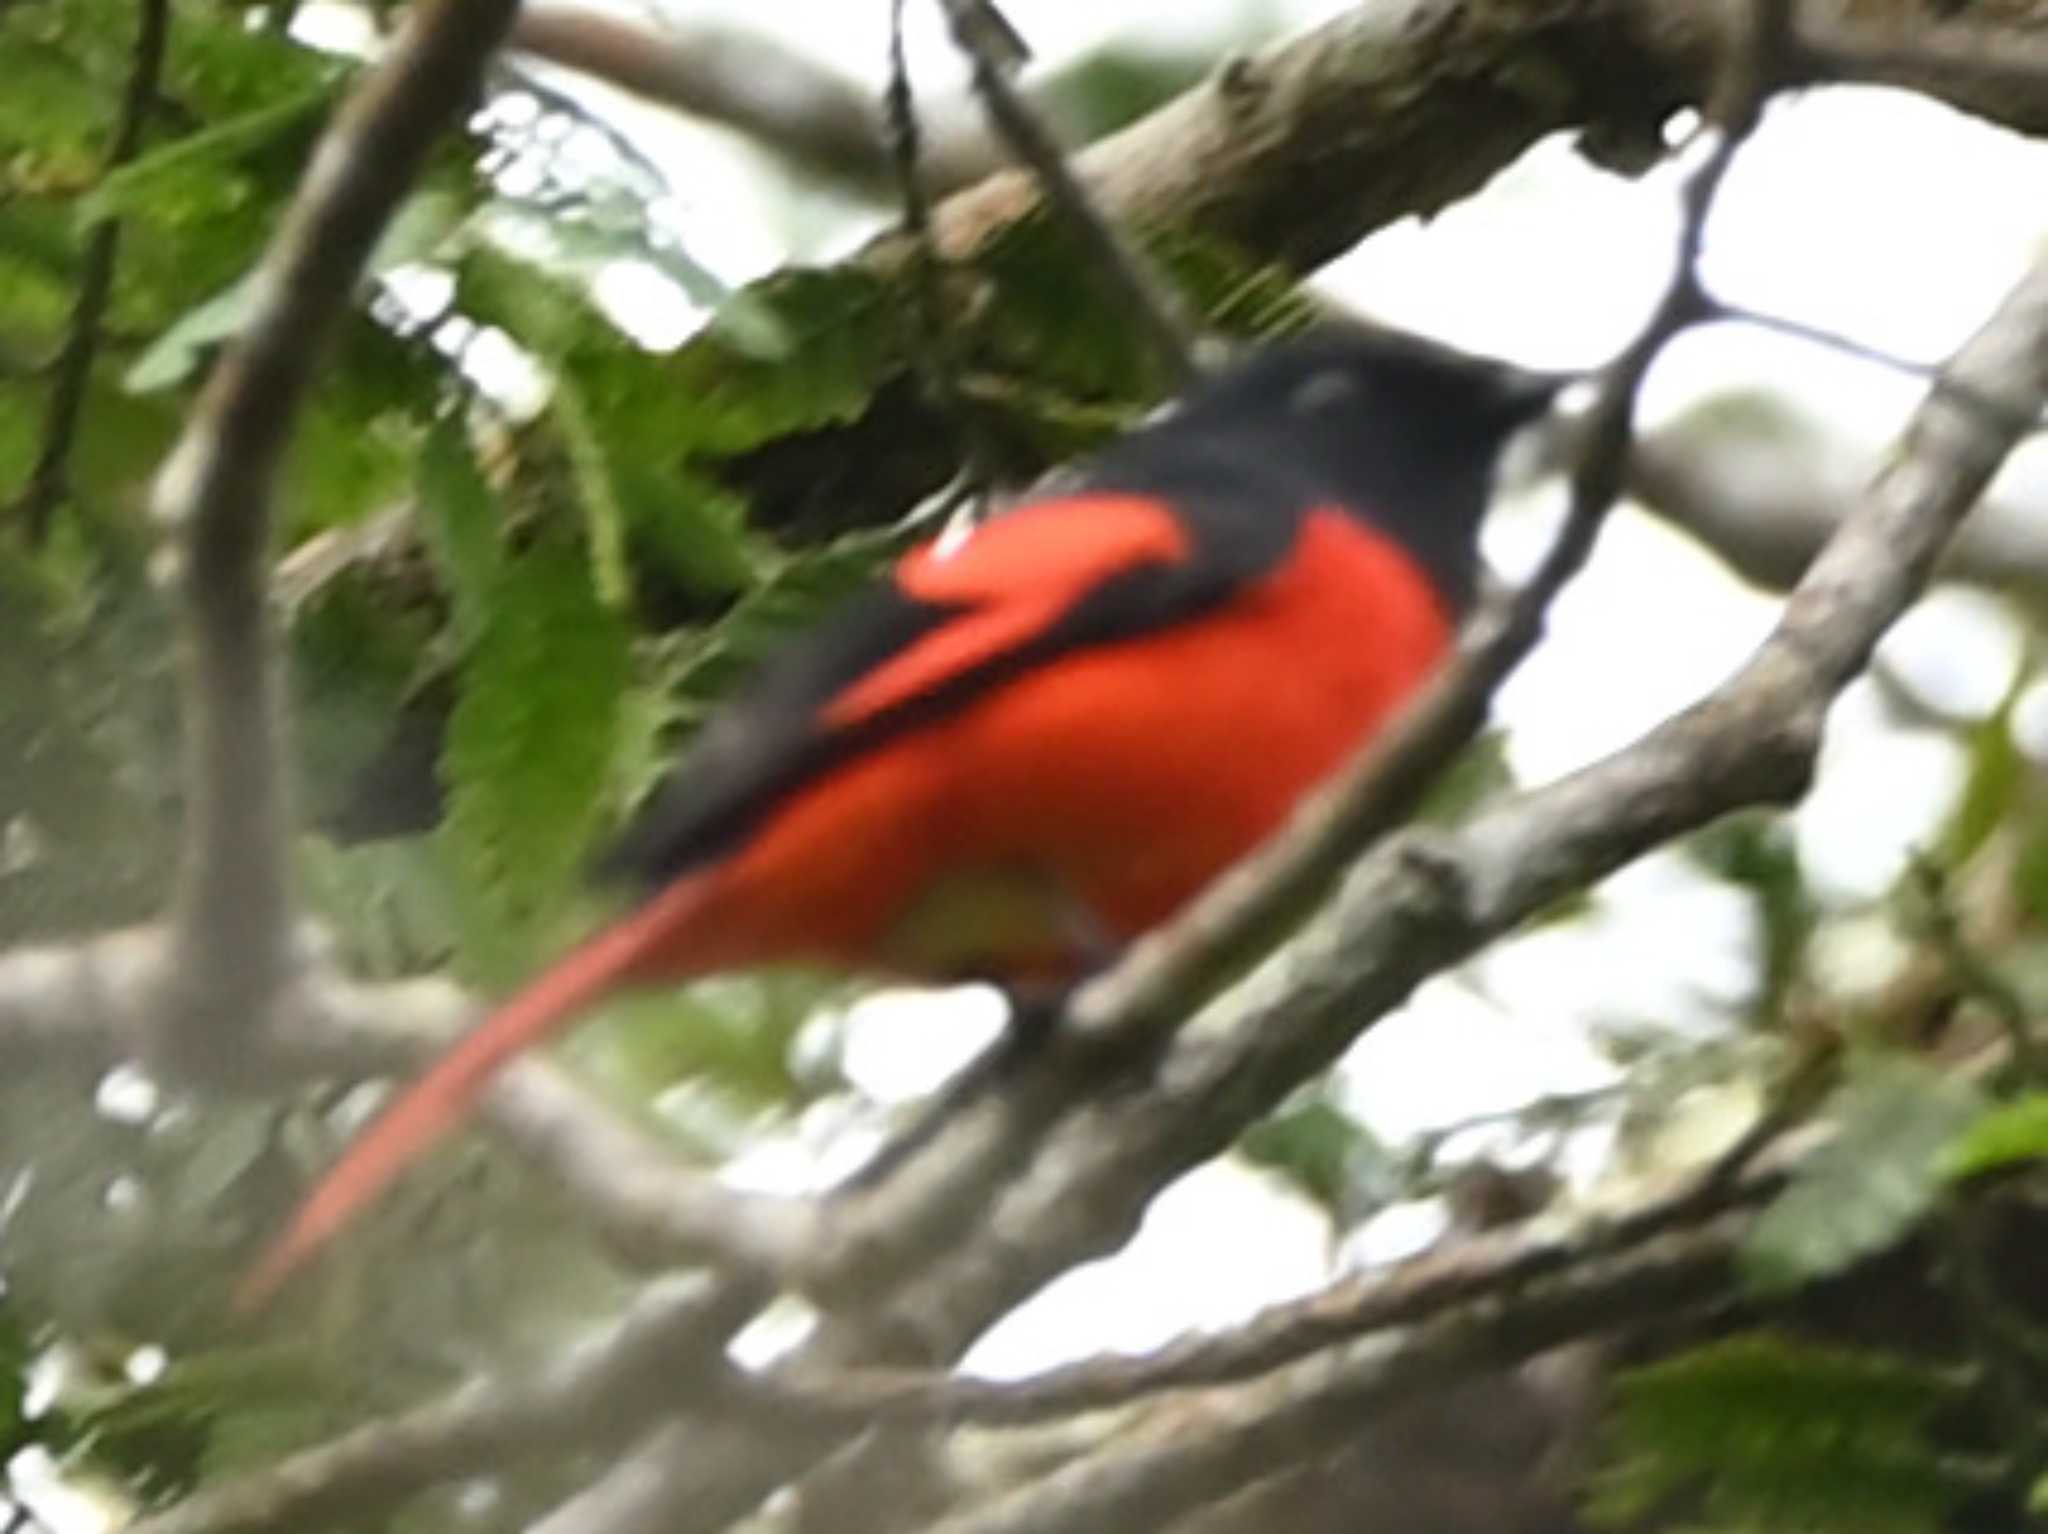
[1168, 975]
[1150, 1479]
[1467, 1272]
[1426, 900]
[230, 936]
[1155, 312]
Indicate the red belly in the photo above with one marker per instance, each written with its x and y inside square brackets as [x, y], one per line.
[1095, 796]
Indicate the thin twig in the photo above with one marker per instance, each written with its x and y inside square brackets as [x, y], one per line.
[49, 481]
[1483, 1267]
[1152, 1478]
[1155, 310]
[940, 356]
[1850, 346]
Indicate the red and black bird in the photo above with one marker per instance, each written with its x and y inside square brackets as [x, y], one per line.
[1035, 741]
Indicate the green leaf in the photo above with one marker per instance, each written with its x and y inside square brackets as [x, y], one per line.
[2003, 1136]
[459, 520]
[631, 486]
[187, 178]
[530, 749]
[1762, 1432]
[388, 902]
[1325, 1152]
[1998, 772]
[734, 1032]
[597, 491]
[792, 596]
[1863, 1190]
[181, 351]
[1757, 852]
[420, 230]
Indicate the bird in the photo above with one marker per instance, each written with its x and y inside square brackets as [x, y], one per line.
[1031, 742]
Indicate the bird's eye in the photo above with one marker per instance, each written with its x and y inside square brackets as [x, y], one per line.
[1323, 391]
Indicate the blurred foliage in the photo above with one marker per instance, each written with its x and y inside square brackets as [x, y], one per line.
[1869, 1185]
[1765, 1432]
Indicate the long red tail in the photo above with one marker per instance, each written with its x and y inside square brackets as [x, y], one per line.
[440, 1099]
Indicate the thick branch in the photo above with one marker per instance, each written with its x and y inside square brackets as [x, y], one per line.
[232, 919]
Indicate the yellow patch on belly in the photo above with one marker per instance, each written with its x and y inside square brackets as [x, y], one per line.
[1011, 920]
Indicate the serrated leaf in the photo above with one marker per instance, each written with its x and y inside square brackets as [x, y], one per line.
[2004, 1136]
[631, 487]
[1866, 1188]
[597, 490]
[185, 179]
[788, 599]
[530, 747]
[1760, 1431]
[459, 520]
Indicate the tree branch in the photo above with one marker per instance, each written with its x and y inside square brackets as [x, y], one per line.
[1155, 311]
[1425, 900]
[1422, 902]
[1468, 1272]
[821, 121]
[1166, 976]
[89, 1006]
[229, 944]
[669, 1344]
[1148, 1479]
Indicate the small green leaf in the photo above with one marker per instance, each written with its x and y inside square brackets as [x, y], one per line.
[597, 490]
[1998, 771]
[529, 755]
[419, 231]
[1325, 1152]
[183, 179]
[2006, 1134]
[1863, 1190]
[1763, 1432]
[181, 350]
[459, 522]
